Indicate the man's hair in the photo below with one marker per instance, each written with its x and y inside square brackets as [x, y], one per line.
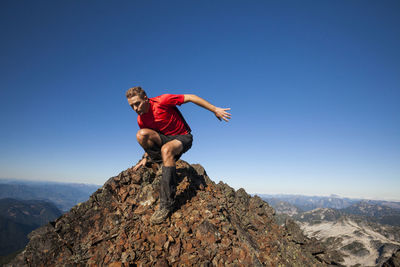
[135, 91]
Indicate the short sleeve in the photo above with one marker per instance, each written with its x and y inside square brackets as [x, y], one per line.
[171, 100]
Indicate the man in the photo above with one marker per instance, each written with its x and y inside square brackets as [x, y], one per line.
[165, 136]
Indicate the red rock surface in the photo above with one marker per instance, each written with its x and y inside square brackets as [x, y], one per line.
[213, 225]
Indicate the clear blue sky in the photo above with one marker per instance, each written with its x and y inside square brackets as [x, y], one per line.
[314, 88]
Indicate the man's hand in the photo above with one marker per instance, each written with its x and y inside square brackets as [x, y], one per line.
[140, 164]
[221, 113]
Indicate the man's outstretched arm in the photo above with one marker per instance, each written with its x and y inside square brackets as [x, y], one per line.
[220, 113]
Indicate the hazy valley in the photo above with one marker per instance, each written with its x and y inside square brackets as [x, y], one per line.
[27, 205]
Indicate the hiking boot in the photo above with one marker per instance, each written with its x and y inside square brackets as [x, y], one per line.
[160, 215]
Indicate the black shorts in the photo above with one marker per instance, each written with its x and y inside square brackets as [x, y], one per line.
[155, 152]
[186, 140]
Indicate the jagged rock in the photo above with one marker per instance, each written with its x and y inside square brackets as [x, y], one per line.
[321, 252]
[212, 225]
[393, 261]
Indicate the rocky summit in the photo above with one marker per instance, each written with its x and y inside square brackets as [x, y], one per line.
[212, 225]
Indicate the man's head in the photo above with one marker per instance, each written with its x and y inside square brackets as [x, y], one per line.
[138, 100]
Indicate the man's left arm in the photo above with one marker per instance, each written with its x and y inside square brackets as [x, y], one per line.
[220, 113]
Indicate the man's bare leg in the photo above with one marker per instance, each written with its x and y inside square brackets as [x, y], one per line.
[168, 180]
[169, 151]
[147, 139]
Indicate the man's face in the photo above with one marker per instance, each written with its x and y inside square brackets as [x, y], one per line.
[139, 105]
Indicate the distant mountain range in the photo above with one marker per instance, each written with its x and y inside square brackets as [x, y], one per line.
[27, 205]
[306, 203]
[364, 232]
[63, 195]
[379, 211]
[19, 217]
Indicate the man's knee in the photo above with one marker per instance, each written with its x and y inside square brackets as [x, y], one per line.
[142, 135]
[167, 151]
[171, 149]
[147, 137]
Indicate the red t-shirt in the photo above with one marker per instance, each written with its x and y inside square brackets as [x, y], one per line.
[163, 115]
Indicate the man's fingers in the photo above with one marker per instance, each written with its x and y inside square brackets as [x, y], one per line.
[228, 115]
[222, 114]
[140, 164]
[224, 111]
[225, 118]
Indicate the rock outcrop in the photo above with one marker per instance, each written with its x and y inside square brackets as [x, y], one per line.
[393, 261]
[359, 241]
[212, 225]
